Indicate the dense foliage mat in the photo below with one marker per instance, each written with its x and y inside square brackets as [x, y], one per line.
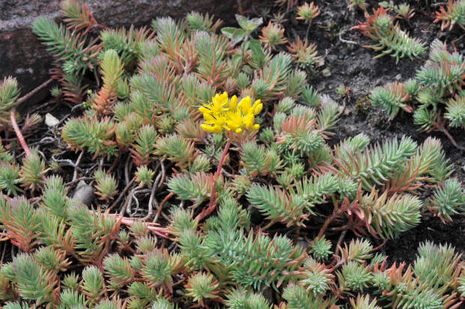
[194, 166]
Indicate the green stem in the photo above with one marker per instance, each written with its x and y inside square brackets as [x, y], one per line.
[307, 33]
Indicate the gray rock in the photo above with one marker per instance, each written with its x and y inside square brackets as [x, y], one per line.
[326, 72]
[51, 121]
[22, 55]
[84, 193]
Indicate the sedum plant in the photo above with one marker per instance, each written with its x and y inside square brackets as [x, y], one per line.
[394, 97]
[321, 249]
[9, 94]
[307, 12]
[435, 95]
[448, 199]
[32, 170]
[357, 4]
[402, 10]
[202, 287]
[388, 37]
[451, 14]
[144, 176]
[364, 302]
[273, 35]
[105, 184]
[111, 70]
[441, 77]
[65, 45]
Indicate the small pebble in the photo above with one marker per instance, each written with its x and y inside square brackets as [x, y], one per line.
[51, 121]
[84, 193]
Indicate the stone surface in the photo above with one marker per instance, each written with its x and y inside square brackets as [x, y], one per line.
[22, 55]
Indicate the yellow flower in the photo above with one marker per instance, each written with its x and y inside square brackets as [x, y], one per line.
[230, 114]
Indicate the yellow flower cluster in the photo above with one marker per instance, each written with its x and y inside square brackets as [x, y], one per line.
[230, 114]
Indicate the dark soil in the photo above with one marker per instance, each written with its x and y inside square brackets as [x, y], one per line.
[353, 66]
[431, 229]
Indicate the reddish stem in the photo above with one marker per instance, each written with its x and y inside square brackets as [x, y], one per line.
[18, 133]
[441, 128]
[327, 222]
[222, 159]
[160, 207]
[159, 231]
[20, 101]
[337, 212]
[33, 92]
[213, 196]
[166, 199]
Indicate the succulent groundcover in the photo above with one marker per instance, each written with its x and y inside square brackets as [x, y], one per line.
[194, 164]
